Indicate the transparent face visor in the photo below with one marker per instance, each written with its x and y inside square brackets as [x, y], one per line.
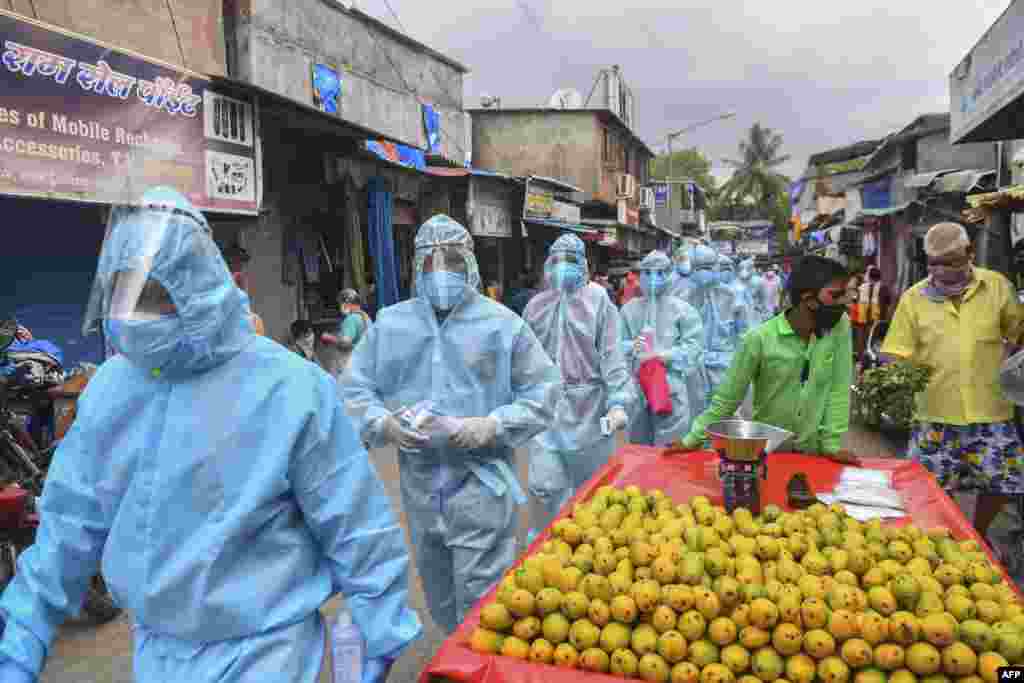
[124, 287]
[136, 296]
[448, 259]
[563, 257]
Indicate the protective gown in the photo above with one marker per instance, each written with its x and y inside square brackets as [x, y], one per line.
[579, 329]
[723, 319]
[745, 294]
[225, 493]
[677, 334]
[682, 281]
[480, 360]
[757, 293]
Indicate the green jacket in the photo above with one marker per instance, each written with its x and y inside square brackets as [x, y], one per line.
[773, 358]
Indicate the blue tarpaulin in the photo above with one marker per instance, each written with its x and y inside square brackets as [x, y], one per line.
[795, 190]
[432, 124]
[398, 154]
[382, 244]
[876, 195]
[326, 88]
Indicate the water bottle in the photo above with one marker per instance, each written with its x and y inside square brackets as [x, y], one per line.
[348, 649]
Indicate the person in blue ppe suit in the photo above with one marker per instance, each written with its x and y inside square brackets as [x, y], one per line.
[492, 388]
[578, 326]
[682, 284]
[756, 286]
[744, 296]
[715, 302]
[677, 332]
[215, 477]
[746, 293]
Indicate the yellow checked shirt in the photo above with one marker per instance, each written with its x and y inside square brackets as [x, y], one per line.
[963, 344]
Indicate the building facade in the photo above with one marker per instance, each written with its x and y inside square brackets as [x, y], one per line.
[591, 149]
[987, 106]
[323, 119]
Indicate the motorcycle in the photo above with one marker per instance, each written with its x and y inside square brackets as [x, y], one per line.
[23, 467]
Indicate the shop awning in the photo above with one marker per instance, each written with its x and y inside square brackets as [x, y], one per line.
[982, 205]
[994, 200]
[922, 180]
[559, 225]
[880, 213]
[963, 182]
[455, 172]
[554, 182]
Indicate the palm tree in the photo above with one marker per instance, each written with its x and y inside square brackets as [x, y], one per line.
[755, 177]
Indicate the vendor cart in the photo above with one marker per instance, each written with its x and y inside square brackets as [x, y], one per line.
[681, 477]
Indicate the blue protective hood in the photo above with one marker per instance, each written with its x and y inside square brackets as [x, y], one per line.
[704, 256]
[214, 312]
[442, 231]
[656, 260]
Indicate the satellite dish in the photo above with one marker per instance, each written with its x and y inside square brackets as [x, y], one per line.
[566, 98]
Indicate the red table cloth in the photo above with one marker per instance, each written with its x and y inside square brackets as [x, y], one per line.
[683, 476]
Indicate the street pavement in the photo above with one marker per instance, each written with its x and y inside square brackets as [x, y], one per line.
[89, 654]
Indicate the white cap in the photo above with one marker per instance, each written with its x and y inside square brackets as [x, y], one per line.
[944, 238]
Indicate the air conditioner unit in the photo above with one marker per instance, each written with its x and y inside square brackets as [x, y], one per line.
[625, 186]
[646, 199]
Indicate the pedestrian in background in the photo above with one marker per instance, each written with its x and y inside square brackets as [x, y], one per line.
[521, 293]
[958, 321]
[630, 288]
[488, 378]
[799, 365]
[579, 327]
[238, 261]
[351, 329]
[213, 477]
[303, 340]
[657, 325]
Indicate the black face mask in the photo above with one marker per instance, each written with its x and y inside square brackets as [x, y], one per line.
[826, 316]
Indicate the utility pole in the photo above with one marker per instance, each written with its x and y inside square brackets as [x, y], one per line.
[672, 136]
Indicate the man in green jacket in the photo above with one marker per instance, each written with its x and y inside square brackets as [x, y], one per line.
[800, 364]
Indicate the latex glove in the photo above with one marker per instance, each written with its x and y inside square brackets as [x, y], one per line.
[376, 670]
[395, 433]
[617, 418]
[476, 432]
[12, 673]
[639, 344]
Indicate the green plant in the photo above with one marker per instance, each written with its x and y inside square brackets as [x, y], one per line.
[884, 396]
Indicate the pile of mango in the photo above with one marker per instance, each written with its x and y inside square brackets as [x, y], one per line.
[638, 586]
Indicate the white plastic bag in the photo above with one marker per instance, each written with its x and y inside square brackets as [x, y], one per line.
[857, 476]
[871, 496]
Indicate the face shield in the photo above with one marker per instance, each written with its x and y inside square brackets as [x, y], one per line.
[126, 286]
[565, 271]
[443, 278]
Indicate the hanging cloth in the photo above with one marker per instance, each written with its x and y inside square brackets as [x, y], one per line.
[382, 243]
[354, 235]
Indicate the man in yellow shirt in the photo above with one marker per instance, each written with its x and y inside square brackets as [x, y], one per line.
[959, 322]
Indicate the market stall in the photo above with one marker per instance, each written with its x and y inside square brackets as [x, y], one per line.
[683, 477]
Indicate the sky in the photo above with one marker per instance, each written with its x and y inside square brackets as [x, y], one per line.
[823, 73]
